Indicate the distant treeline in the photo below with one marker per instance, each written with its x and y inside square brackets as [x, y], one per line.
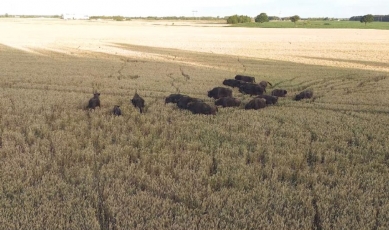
[116, 18]
[377, 18]
[119, 18]
[276, 18]
[241, 18]
[159, 18]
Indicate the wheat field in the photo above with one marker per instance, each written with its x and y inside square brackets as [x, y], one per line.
[320, 163]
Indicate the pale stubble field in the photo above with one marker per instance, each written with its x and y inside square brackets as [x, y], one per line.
[315, 164]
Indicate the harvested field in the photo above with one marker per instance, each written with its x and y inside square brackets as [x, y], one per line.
[319, 163]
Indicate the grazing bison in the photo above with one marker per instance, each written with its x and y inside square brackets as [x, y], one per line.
[279, 92]
[185, 100]
[264, 84]
[228, 102]
[199, 107]
[117, 111]
[138, 102]
[245, 78]
[269, 99]
[233, 83]
[256, 103]
[252, 89]
[173, 98]
[94, 101]
[304, 95]
[219, 92]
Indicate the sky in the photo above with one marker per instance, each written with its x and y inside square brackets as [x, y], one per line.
[160, 8]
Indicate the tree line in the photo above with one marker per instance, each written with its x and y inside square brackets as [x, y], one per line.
[261, 18]
[376, 18]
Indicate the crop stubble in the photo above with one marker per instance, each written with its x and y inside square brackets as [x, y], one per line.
[321, 163]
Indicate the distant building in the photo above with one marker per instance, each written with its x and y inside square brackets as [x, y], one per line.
[75, 17]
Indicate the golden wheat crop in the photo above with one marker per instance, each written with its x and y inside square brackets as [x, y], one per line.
[320, 163]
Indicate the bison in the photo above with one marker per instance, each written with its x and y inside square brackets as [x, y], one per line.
[138, 102]
[304, 95]
[185, 100]
[245, 78]
[279, 92]
[117, 111]
[233, 83]
[269, 99]
[228, 102]
[199, 107]
[173, 98]
[264, 84]
[219, 92]
[94, 101]
[252, 89]
[256, 103]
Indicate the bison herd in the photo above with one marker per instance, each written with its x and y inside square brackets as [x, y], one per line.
[222, 95]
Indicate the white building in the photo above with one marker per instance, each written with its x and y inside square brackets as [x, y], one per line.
[75, 17]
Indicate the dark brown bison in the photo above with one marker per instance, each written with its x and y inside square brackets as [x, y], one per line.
[94, 101]
[199, 107]
[279, 92]
[228, 102]
[256, 103]
[252, 89]
[219, 92]
[233, 83]
[117, 111]
[173, 98]
[245, 78]
[264, 84]
[185, 100]
[138, 102]
[269, 99]
[304, 95]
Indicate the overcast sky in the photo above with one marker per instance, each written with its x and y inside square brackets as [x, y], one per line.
[132, 8]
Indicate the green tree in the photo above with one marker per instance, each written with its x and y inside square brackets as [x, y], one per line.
[232, 19]
[368, 18]
[295, 18]
[261, 18]
[244, 19]
[274, 18]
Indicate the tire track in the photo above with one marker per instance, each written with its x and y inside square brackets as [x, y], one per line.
[244, 67]
[170, 75]
[186, 76]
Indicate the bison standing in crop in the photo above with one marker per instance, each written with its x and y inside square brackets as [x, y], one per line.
[245, 78]
[256, 103]
[117, 111]
[138, 102]
[252, 89]
[199, 107]
[279, 92]
[233, 83]
[173, 98]
[269, 99]
[306, 94]
[219, 92]
[94, 101]
[185, 100]
[228, 102]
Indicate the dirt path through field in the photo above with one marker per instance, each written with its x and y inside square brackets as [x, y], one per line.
[349, 48]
